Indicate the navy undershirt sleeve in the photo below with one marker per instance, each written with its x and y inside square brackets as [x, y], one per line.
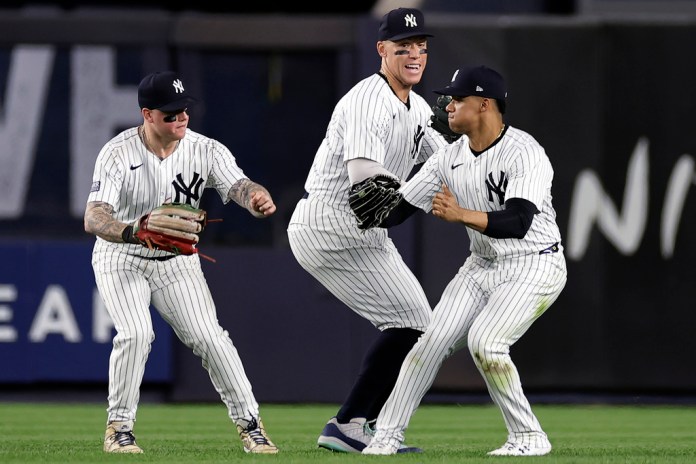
[512, 222]
[402, 211]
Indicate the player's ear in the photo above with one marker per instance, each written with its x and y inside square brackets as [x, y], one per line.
[147, 114]
[485, 103]
[381, 50]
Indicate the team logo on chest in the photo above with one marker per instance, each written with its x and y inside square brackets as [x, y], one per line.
[497, 187]
[187, 193]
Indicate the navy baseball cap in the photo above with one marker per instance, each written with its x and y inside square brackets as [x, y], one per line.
[402, 23]
[164, 91]
[480, 80]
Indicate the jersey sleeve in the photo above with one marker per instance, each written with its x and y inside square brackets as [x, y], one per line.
[107, 179]
[367, 125]
[422, 187]
[530, 176]
[432, 142]
[225, 172]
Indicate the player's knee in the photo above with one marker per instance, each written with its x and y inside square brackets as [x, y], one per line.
[489, 356]
[203, 344]
[142, 338]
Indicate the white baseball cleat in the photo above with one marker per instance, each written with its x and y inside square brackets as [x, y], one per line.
[517, 449]
[380, 448]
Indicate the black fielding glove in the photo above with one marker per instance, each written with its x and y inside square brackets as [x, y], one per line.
[373, 198]
[438, 120]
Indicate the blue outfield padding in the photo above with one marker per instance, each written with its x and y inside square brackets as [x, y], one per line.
[53, 324]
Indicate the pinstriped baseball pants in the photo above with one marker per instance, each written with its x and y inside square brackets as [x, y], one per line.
[487, 306]
[178, 290]
[365, 271]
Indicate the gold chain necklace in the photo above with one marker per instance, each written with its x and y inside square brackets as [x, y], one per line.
[501, 132]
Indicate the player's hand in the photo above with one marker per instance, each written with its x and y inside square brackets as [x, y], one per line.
[445, 206]
[262, 204]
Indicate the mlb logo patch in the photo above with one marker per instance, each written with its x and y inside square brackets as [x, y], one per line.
[95, 186]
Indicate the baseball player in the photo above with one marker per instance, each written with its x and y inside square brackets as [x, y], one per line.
[380, 126]
[162, 161]
[495, 180]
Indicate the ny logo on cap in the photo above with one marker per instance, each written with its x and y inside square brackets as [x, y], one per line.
[178, 86]
[455, 75]
[411, 20]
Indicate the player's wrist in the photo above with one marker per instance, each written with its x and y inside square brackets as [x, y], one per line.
[128, 236]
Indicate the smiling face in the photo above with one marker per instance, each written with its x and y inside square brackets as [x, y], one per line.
[403, 61]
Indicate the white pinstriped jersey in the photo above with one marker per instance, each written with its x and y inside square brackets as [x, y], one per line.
[371, 122]
[515, 167]
[364, 268]
[134, 181]
[502, 288]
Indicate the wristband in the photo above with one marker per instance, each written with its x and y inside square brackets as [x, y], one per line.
[127, 234]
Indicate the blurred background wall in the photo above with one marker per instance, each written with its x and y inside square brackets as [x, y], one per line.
[605, 86]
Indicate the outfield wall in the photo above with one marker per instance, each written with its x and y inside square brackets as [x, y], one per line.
[610, 100]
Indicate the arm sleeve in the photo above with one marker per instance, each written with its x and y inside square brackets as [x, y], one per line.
[362, 168]
[402, 211]
[512, 222]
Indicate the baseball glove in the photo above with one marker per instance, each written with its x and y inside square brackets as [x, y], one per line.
[439, 122]
[172, 227]
[373, 198]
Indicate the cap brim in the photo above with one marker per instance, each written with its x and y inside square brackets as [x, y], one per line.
[451, 91]
[185, 102]
[408, 35]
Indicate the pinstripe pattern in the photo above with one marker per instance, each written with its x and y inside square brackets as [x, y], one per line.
[501, 289]
[529, 174]
[198, 160]
[134, 182]
[363, 269]
[370, 122]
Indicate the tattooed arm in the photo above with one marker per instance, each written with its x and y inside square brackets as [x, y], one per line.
[252, 196]
[100, 222]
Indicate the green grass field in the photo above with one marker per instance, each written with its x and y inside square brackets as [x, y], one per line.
[69, 433]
